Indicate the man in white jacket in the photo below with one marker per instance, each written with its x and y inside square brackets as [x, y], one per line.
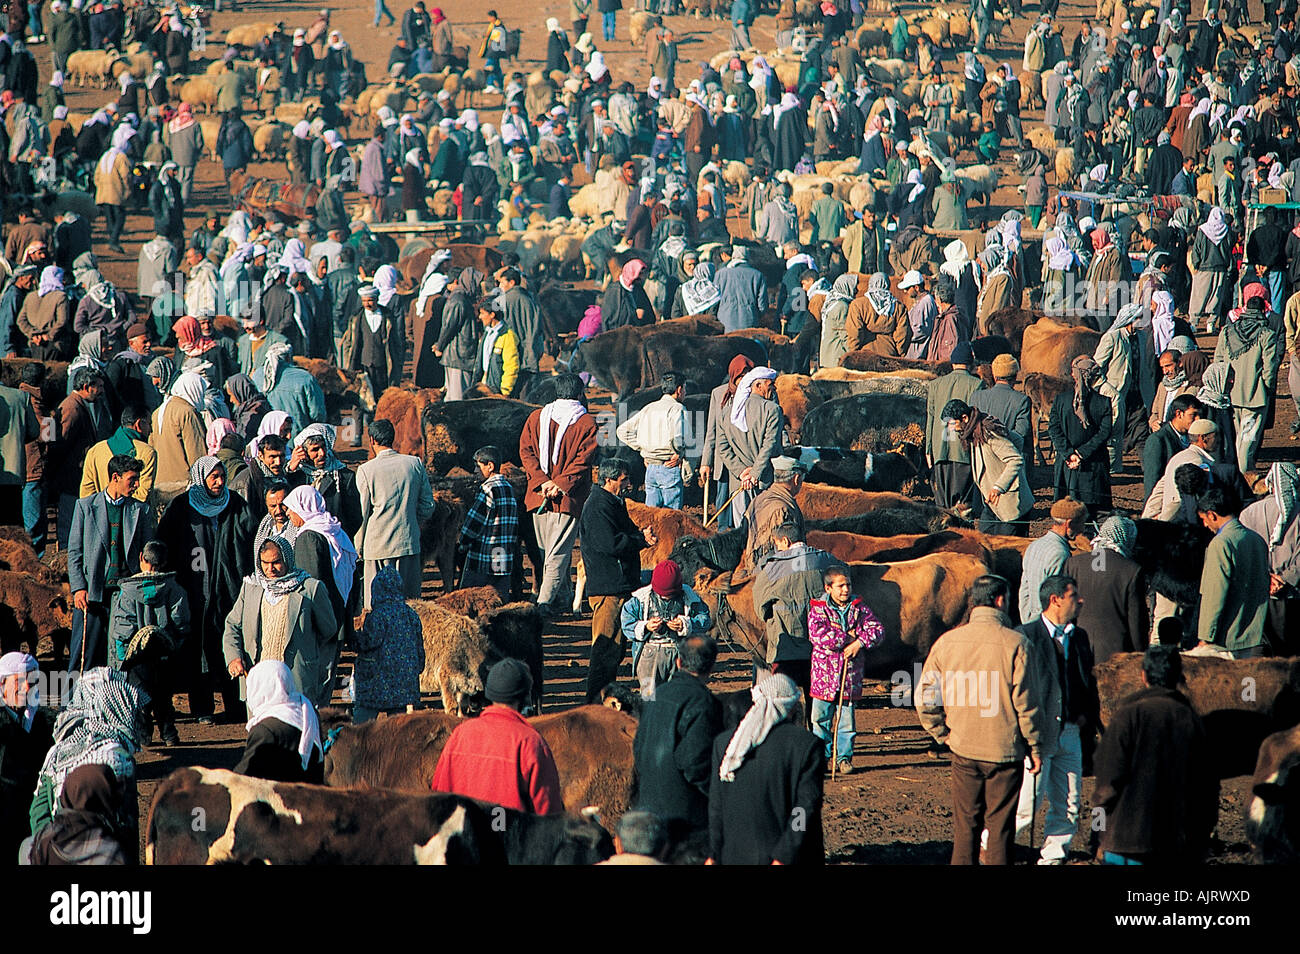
[658, 433]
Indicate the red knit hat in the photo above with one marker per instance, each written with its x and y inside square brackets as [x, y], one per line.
[666, 580]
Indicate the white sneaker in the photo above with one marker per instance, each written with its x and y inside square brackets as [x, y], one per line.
[491, 89]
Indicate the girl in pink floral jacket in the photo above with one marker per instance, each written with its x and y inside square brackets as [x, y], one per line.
[840, 627]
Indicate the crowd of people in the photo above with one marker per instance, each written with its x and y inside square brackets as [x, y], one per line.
[271, 555]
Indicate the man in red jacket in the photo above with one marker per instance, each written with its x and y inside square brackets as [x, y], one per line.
[499, 757]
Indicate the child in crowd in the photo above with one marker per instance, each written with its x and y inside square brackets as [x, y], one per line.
[840, 627]
[151, 619]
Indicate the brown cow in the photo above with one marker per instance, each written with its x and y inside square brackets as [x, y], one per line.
[31, 610]
[1241, 701]
[454, 430]
[456, 654]
[824, 502]
[1049, 347]
[1273, 819]
[474, 602]
[405, 407]
[463, 255]
[798, 394]
[916, 601]
[867, 360]
[592, 746]
[1010, 323]
[858, 548]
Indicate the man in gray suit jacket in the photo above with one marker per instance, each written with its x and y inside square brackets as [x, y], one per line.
[109, 528]
[749, 435]
[1004, 402]
[396, 501]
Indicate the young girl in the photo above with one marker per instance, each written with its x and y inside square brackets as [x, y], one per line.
[840, 628]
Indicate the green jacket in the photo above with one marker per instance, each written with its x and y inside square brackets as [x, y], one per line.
[1234, 588]
[941, 443]
[827, 217]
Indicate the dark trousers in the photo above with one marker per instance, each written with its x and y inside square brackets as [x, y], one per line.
[1004, 528]
[89, 637]
[114, 222]
[953, 483]
[984, 795]
[1282, 627]
[206, 668]
[607, 645]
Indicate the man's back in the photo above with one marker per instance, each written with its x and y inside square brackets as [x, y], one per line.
[1044, 557]
[498, 757]
[1009, 406]
[772, 811]
[956, 385]
[674, 739]
[1234, 588]
[395, 500]
[1113, 596]
[1153, 779]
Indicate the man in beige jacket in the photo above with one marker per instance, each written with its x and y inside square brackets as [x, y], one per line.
[979, 695]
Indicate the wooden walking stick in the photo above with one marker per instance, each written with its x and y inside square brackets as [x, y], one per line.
[706, 501]
[835, 723]
[725, 505]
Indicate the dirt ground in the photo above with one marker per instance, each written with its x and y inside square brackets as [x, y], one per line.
[896, 808]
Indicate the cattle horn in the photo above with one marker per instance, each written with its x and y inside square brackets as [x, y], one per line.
[591, 813]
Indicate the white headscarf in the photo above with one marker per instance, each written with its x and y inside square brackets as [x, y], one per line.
[739, 419]
[21, 664]
[1214, 227]
[774, 699]
[190, 387]
[564, 413]
[308, 504]
[121, 136]
[596, 68]
[271, 695]
[385, 281]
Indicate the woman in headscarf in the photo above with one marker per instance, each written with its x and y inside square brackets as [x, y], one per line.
[323, 550]
[626, 302]
[281, 613]
[113, 185]
[878, 321]
[217, 431]
[179, 430]
[90, 354]
[1273, 517]
[909, 201]
[697, 294]
[557, 47]
[1105, 272]
[249, 405]
[999, 286]
[997, 467]
[835, 319]
[284, 740]
[91, 826]
[1059, 261]
[103, 725]
[313, 457]
[45, 318]
[1080, 429]
[768, 771]
[193, 343]
[217, 527]
[1211, 263]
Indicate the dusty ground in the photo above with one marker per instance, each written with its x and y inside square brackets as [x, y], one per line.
[896, 809]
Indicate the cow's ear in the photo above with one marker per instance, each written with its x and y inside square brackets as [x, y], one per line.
[1270, 792]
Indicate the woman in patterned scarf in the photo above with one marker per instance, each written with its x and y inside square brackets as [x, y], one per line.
[1274, 518]
[102, 725]
[283, 614]
[1080, 429]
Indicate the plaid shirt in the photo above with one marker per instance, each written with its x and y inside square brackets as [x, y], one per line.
[492, 527]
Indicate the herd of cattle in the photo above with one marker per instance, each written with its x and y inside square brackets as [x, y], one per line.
[861, 428]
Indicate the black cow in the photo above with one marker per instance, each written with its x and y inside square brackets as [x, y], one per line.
[875, 422]
[454, 430]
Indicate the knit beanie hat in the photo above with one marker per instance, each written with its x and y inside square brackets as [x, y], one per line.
[509, 681]
[666, 580]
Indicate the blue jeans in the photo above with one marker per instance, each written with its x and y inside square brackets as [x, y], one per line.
[608, 19]
[822, 714]
[719, 498]
[35, 519]
[492, 68]
[1111, 858]
[381, 10]
[663, 486]
[1276, 287]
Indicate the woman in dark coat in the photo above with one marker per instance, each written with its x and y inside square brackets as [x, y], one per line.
[218, 528]
[626, 302]
[557, 47]
[1079, 426]
[790, 125]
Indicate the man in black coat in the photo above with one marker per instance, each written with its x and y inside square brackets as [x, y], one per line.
[1112, 591]
[1155, 781]
[674, 739]
[1166, 162]
[611, 555]
[1068, 693]
[765, 790]
[1169, 440]
[26, 734]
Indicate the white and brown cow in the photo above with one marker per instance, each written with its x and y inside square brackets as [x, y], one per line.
[1273, 818]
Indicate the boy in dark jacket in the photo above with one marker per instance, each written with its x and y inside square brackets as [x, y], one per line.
[611, 555]
[150, 621]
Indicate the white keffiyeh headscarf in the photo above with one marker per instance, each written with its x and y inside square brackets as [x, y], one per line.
[775, 699]
[563, 413]
[272, 695]
[739, 419]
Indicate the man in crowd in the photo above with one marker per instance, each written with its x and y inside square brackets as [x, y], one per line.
[396, 502]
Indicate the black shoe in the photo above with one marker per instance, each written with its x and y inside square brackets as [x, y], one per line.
[207, 720]
[168, 734]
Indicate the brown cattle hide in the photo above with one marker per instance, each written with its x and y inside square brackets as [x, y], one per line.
[454, 430]
[858, 548]
[455, 657]
[1042, 391]
[1241, 701]
[31, 610]
[669, 526]
[592, 746]
[865, 359]
[824, 502]
[1049, 346]
[1271, 821]
[798, 394]
[404, 407]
